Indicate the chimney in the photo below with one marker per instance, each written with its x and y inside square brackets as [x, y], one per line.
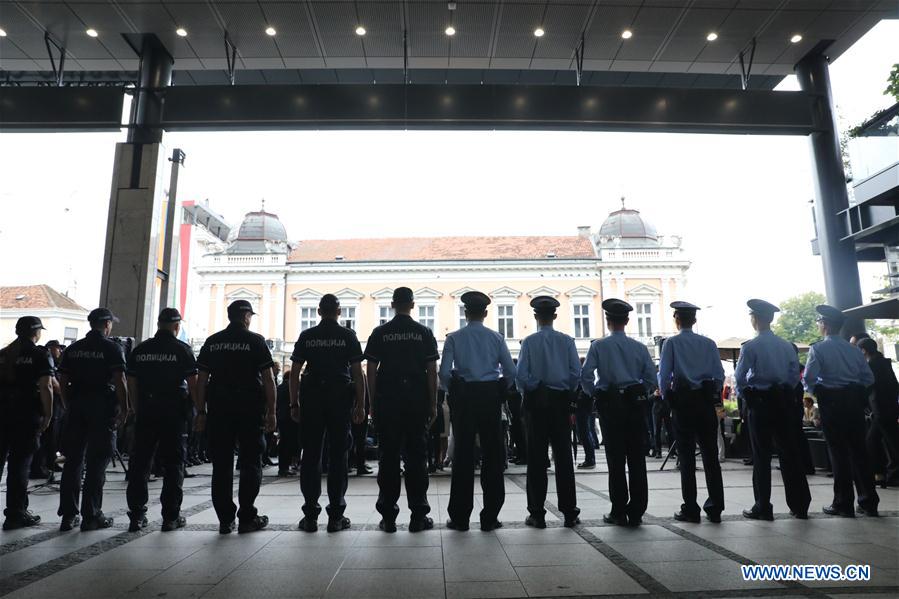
[584, 232]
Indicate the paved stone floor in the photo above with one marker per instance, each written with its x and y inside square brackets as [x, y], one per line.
[661, 558]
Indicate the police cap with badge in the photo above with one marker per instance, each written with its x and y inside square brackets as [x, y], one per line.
[475, 301]
[616, 308]
[101, 315]
[27, 325]
[544, 305]
[760, 307]
[830, 315]
[685, 308]
[238, 308]
[168, 316]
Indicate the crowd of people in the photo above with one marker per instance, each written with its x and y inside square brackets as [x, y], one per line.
[478, 408]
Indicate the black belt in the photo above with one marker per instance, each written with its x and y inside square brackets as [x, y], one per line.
[631, 393]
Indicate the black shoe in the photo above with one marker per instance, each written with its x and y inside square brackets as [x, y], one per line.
[535, 521]
[488, 526]
[755, 514]
[716, 518]
[832, 511]
[387, 525]
[226, 528]
[799, 515]
[420, 524]
[861, 511]
[257, 523]
[308, 524]
[619, 520]
[285, 473]
[586, 466]
[571, 522]
[138, 523]
[683, 516]
[363, 470]
[69, 522]
[170, 525]
[97, 523]
[452, 525]
[634, 521]
[21, 521]
[338, 524]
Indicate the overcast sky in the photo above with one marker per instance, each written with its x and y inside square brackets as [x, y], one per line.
[741, 203]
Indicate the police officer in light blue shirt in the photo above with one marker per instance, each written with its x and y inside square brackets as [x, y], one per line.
[470, 371]
[548, 371]
[690, 378]
[766, 376]
[838, 375]
[619, 372]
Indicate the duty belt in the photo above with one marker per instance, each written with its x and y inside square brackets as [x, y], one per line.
[631, 393]
[707, 392]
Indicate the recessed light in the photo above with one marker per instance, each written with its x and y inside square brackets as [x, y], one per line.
[270, 30]
[451, 30]
[181, 31]
[2, 32]
[796, 38]
[92, 32]
[627, 34]
[360, 30]
[539, 32]
[712, 36]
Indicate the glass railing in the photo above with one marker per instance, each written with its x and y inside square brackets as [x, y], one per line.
[875, 145]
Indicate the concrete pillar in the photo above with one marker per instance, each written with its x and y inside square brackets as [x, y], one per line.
[837, 257]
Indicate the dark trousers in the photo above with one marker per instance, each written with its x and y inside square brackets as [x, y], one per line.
[288, 439]
[624, 434]
[227, 429]
[770, 422]
[548, 425]
[88, 442]
[476, 411]
[695, 422]
[882, 442]
[403, 434]
[586, 432]
[661, 416]
[324, 411]
[517, 427]
[18, 440]
[357, 450]
[160, 431]
[843, 423]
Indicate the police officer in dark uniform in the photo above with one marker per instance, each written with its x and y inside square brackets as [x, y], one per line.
[619, 372]
[690, 378]
[330, 392]
[162, 374]
[402, 381]
[26, 408]
[547, 376]
[766, 377]
[237, 377]
[92, 383]
[43, 464]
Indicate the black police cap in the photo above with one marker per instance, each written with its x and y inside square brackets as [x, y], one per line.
[328, 301]
[684, 307]
[761, 307]
[54, 343]
[403, 295]
[544, 304]
[169, 315]
[830, 314]
[238, 307]
[475, 300]
[101, 315]
[28, 324]
[616, 307]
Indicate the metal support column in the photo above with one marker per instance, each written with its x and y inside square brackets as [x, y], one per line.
[154, 76]
[841, 279]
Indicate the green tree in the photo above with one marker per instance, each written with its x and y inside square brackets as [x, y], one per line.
[797, 318]
[893, 83]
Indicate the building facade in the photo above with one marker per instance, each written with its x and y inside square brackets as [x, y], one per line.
[63, 318]
[284, 280]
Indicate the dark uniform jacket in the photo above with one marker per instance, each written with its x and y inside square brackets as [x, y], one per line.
[18, 380]
[328, 349]
[90, 363]
[402, 348]
[235, 359]
[886, 387]
[161, 366]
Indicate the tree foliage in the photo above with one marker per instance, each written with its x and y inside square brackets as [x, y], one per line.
[893, 83]
[797, 318]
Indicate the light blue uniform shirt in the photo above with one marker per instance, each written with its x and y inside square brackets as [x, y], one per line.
[548, 357]
[476, 354]
[835, 363]
[617, 360]
[689, 359]
[766, 361]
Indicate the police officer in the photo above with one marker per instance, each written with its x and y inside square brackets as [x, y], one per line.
[331, 388]
[162, 373]
[838, 376]
[548, 372]
[237, 377]
[92, 383]
[44, 461]
[470, 371]
[883, 434]
[690, 378]
[402, 382]
[26, 409]
[765, 377]
[619, 372]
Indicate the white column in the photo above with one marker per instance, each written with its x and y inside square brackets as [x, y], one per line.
[266, 309]
[664, 310]
[198, 309]
[220, 307]
[280, 313]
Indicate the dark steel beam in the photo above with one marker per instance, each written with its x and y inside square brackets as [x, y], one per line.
[522, 107]
[61, 108]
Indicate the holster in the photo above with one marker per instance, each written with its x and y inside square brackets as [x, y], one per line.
[614, 395]
[544, 398]
[682, 395]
